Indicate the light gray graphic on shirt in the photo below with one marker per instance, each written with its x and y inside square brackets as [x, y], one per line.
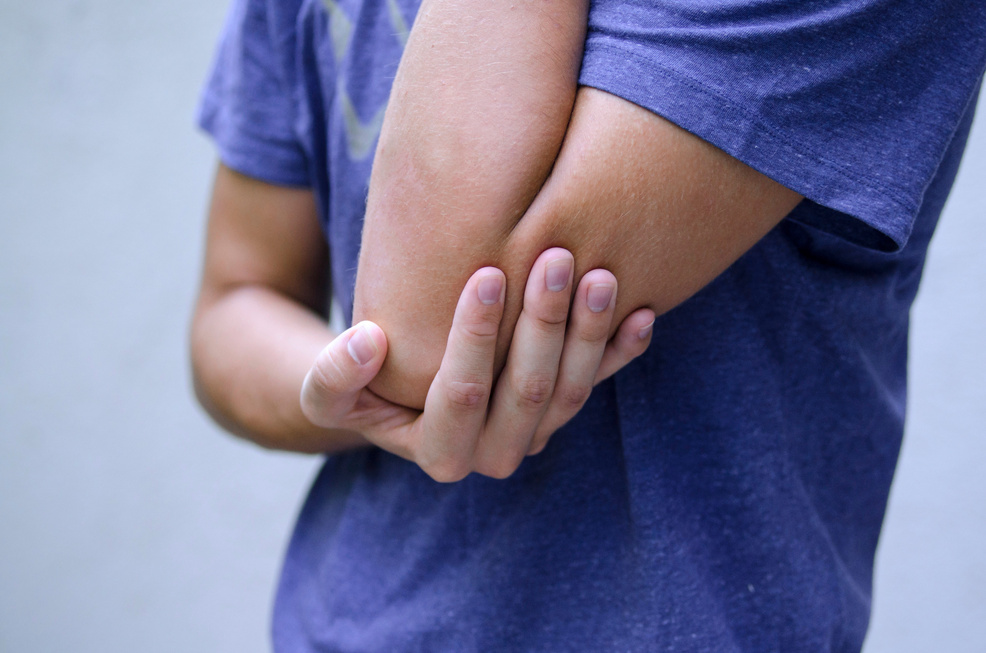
[398, 22]
[340, 29]
[360, 135]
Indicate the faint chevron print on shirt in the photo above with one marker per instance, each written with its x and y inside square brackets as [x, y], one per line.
[340, 29]
[360, 136]
[397, 20]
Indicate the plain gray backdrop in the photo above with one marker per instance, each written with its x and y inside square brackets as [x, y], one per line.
[129, 523]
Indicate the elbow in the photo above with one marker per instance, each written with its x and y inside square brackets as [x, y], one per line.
[198, 364]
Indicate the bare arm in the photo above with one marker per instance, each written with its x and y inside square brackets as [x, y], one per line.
[267, 368]
[476, 118]
[630, 192]
[258, 323]
[658, 206]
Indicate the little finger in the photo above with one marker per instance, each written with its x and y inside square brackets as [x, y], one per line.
[631, 340]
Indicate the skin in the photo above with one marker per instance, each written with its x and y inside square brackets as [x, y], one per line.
[268, 368]
[630, 192]
[257, 335]
[477, 114]
[257, 324]
[466, 189]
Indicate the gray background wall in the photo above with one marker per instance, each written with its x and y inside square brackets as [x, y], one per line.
[129, 523]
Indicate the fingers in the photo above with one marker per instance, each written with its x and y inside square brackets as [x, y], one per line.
[527, 382]
[585, 342]
[340, 372]
[556, 355]
[631, 340]
[456, 406]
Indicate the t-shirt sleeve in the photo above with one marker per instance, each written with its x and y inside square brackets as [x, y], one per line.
[852, 103]
[248, 106]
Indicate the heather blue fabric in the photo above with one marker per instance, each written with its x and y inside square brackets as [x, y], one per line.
[725, 491]
[852, 103]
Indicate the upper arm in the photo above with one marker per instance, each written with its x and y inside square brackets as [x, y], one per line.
[477, 114]
[259, 322]
[264, 235]
[630, 192]
[659, 207]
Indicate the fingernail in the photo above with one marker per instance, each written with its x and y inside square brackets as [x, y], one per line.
[557, 273]
[361, 346]
[645, 330]
[489, 289]
[599, 296]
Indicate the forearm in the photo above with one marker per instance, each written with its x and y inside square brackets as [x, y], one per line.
[477, 114]
[630, 192]
[251, 349]
[257, 326]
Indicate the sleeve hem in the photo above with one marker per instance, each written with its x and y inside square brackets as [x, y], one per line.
[750, 138]
[252, 155]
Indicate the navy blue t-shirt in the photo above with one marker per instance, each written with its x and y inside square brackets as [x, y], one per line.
[725, 491]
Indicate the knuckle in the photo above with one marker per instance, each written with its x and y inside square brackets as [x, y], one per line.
[325, 376]
[573, 396]
[534, 390]
[501, 467]
[552, 320]
[483, 326]
[445, 470]
[467, 394]
[596, 332]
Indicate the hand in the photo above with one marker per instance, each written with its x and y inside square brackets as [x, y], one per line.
[556, 356]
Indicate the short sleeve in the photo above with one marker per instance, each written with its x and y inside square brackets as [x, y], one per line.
[852, 103]
[248, 105]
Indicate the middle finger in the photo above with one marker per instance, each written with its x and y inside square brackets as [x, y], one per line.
[528, 380]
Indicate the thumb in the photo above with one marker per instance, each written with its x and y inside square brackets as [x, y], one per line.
[340, 372]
